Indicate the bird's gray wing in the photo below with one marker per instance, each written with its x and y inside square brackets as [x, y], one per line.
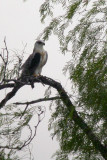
[27, 62]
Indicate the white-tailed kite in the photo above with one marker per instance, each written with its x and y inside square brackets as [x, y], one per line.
[33, 65]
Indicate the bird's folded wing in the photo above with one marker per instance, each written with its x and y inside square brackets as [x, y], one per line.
[27, 62]
[32, 61]
[35, 61]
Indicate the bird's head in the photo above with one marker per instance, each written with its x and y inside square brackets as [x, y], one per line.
[38, 47]
[39, 44]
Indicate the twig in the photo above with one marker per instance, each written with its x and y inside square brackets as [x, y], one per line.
[6, 48]
[2, 58]
[24, 110]
[27, 142]
[5, 61]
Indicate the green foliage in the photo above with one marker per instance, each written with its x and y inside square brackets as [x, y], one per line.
[45, 10]
[3, 156]
[50, 28]
[72, 9]
[82, 31]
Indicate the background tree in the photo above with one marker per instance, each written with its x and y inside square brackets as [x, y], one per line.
[87, 75]
[81, 30]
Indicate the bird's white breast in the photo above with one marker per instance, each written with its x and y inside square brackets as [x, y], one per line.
[43, 58]
[43, 61]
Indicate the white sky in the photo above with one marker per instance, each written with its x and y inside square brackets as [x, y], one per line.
[20, 23]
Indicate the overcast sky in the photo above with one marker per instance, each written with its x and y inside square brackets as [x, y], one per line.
[20, 23]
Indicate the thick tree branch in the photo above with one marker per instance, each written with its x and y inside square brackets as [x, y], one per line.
[10, 94]
[66, 100]
[17, 85]
[8, 85]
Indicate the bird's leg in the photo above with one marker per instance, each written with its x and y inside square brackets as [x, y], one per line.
[36, 75]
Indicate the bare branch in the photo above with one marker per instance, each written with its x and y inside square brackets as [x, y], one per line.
[37, 101]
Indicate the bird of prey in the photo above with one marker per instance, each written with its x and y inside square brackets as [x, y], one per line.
[35, 62]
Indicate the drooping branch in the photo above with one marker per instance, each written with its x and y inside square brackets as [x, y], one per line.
[66, 100]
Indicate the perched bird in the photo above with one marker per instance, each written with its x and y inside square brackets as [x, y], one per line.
[35, 62]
